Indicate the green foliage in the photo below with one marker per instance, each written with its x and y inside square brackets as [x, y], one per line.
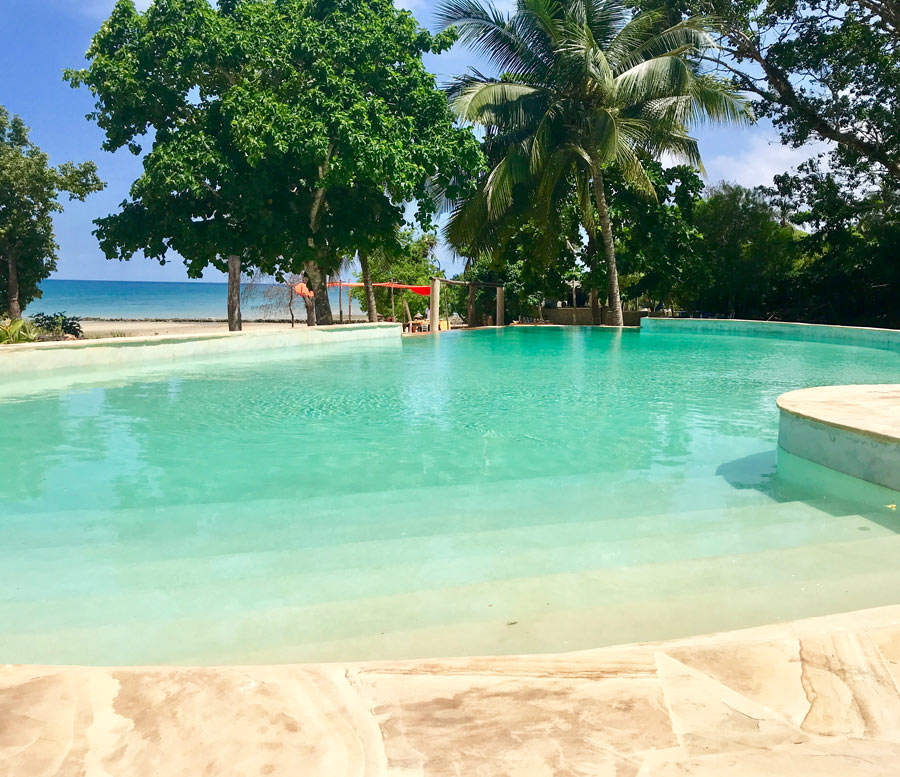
[15, 331]
[30, 188]
[410, 260]
[850, 273]
[658, 243]
[282, 131]
[527, 283]
[58, 324]
[747, 256]
[819, 68]
[584, 86]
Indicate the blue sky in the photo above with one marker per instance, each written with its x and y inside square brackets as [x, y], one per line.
[39, 38]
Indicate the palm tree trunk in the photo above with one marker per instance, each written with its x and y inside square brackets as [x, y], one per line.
[234, 293]
[371, 308]
[609, 249]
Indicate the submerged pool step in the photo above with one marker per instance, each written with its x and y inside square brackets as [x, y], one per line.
[435, 560]
[593, 607]
[195, 530]
[231, 585]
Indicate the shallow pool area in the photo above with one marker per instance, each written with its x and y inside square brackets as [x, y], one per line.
[489, 492]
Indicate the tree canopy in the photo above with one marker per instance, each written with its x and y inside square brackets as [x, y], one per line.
[285, 133]
[30, 188]
[410, 260]
[826, 69]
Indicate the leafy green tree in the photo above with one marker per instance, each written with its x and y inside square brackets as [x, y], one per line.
[747, 256]
[582, 86]
[826, 69]
[30, 188]
[410, 261]
[658, 243]
[285, 133]
[850, 271]
[528, 282]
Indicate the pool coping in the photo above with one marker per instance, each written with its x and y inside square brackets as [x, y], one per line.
[814, 696]
[27, 360]
[854, 430]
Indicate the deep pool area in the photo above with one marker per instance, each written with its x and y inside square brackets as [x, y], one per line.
[497, 491]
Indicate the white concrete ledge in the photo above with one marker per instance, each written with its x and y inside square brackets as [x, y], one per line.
[885, 339]
[33, 359]
[854, 430]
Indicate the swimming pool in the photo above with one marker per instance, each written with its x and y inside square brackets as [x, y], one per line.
[495, 491]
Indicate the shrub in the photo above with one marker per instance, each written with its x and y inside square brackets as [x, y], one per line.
[58, 324]
[17, 331]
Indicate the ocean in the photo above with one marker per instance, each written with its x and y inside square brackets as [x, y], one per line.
[135, 300]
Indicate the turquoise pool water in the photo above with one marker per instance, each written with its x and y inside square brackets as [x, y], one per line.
[516, 490]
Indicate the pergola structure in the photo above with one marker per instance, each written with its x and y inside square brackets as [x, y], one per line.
[434, 307]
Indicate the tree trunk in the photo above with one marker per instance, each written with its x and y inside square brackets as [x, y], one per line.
[234, 293]
[470, 312]
[370, 289]
[316, 281]
[12, 287]
[408, 314]
[592, 263]
[310, 311]
[609, 249]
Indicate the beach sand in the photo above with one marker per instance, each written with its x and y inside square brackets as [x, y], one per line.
[95, 328]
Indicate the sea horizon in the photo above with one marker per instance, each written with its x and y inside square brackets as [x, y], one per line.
[170, 300]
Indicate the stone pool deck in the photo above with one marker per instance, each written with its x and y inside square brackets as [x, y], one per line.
[809, 698]
[850, 429]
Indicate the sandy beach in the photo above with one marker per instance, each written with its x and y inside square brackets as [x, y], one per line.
[95, 328]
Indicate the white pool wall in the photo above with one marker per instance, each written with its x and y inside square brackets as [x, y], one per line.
[869, 337]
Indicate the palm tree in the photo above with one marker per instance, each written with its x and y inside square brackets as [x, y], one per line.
[584, 85]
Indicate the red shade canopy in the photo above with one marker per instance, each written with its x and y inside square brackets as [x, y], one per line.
[422, 291]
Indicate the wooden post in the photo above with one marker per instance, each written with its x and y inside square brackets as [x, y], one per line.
[435, 307]
[393, 314]
[349, 307]
[501, 307]
[341, 301]
[471, 311]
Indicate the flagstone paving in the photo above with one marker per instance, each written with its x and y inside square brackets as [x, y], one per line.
[810, 698]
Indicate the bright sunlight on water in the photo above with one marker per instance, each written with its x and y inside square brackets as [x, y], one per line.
[497, 491]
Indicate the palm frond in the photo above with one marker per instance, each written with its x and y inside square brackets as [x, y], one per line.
[485, 102]
[500, 38]
[653, 79]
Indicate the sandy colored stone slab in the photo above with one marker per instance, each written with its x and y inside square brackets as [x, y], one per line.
[871, 410]
[814, 698]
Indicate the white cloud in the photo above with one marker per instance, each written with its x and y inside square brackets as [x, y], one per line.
[756, 159]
